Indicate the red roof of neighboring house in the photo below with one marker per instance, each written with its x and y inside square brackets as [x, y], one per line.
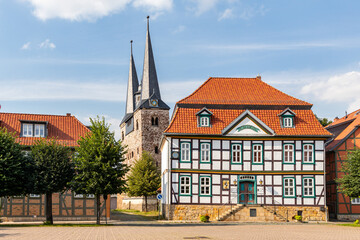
[66, 129]
[353, 121]
[240, 91]
[184, 121]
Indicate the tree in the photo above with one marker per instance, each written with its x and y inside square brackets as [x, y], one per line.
[349, 182]
[99, 164]
[15, 166]
[144, 178]
[53, 172]
[323, 121]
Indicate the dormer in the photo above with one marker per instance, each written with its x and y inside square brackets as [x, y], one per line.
[204, 117]
[287, 118]
[33, 128]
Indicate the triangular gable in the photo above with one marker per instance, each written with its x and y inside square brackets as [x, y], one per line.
[247, 124]
[204, 111]
[287, 112]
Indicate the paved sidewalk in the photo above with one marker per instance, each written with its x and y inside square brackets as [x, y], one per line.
[186, 231]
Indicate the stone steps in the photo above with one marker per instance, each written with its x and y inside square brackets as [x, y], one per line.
[230, 212]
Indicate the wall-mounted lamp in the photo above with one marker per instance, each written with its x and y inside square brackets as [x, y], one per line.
[235, 182]
[261, 182]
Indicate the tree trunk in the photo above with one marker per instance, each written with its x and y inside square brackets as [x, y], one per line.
[49, 215]
[145, 203]
[98, 208]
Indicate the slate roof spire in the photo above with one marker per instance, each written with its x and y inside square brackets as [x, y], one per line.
[149, 83]
[133, 85]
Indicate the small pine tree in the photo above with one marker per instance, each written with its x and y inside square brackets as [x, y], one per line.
[144, 178]
[15, 166]
[349, 182]
[99, 164]
[53, 171]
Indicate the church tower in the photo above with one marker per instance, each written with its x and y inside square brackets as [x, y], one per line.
[146, 116]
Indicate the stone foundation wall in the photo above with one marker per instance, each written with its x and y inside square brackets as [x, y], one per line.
[193, 212]
[348, 217]
[308, 213]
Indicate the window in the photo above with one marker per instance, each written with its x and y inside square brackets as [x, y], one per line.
[128, 123]
[308, 153]
[355, 200]
[288, 122]
[27, 130]
[205, 186]
[156, 150]
[122, 136]
[39, 130]
[137, 125]
[185, 185]
[289, 187]
[236, 156]
[83, 195]
[289, 153]
[33, 130]
[204, 121]
[185, 152]
[205, 153]
[34, 195]
[155, 121]
[308, 187]
[257, 154]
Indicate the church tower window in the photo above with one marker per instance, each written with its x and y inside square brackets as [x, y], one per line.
[155, 121]
[156, 150]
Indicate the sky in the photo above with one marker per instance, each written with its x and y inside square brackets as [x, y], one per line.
[72, 56]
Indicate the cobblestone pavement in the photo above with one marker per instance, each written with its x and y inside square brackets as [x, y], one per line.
[185, 231]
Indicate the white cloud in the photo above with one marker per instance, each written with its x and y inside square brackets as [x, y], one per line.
[90, 10]
[179, 29]
[250, 12]
[27, 90]
[339, 88]
[202, 6]
[26, 46]
[47, 44]
[228, 13]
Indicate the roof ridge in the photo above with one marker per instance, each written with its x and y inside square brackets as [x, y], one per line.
[54, 115]
[195, 91]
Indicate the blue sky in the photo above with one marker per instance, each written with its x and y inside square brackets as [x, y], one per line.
[59, 56]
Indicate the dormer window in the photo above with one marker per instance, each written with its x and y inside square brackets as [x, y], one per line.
[204, 118]
[33, 130]
[287, 118]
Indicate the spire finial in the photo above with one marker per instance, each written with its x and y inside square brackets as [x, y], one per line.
[148, 17]
[131, 42]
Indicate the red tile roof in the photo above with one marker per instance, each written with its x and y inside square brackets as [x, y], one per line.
[184, 121]
[66, 129]
[240, 91]
[353, 119]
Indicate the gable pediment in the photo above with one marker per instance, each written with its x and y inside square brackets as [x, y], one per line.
[247, 124]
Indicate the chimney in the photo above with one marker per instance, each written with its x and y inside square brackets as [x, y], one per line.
[68, 114]
[345, 114]
[335, 119]
[258, 77]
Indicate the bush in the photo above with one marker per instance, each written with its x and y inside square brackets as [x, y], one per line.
[298, 217]
[204, 218]
[356, 221]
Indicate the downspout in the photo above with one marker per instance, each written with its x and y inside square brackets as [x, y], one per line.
[326, 209]
[169, 178]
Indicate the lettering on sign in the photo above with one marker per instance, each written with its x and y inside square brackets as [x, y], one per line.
[255, 129]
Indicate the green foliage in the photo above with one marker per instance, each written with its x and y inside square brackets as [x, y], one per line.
[53, 166]
[324, 121]
[99, 162]
[349, 182]
[298, 217]
[356, 221]
[204, 218]
[15, 166]
[144, 178]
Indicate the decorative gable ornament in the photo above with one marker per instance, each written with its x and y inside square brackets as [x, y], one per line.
[287, 118]
[204, 117]
[247, 124]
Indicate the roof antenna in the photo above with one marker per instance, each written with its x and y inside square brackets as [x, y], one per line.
[345, 114]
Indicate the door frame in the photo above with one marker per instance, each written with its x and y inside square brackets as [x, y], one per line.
[247, 178]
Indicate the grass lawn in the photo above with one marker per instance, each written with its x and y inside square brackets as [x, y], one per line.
[350, 225]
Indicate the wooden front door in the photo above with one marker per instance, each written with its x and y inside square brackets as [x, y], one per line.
[246, 193]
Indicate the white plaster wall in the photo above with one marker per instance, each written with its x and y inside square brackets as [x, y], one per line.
[216, 144]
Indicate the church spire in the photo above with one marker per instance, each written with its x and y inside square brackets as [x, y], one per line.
[149, 83]
[133, 85]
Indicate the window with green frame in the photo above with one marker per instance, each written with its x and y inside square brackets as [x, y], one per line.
[185, 185]
[308, 187]
[236, 153]
[289, 153]
[289, 190]
[205, 186]
[257, 153]
[204, 121]
[185, 151]
[288, 121]
[205, 152]
[308, 153]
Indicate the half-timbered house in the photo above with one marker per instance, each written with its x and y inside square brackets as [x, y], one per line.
[66, 130]
[346, 139]
[239, 149]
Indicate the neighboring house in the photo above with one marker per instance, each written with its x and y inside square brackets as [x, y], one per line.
[346, 138]
[67, 130]
[239, 141]
[146, 118]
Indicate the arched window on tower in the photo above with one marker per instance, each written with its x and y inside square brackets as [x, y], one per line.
[137, 125]
[122, 136]
[155, 121]
[156, 150]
